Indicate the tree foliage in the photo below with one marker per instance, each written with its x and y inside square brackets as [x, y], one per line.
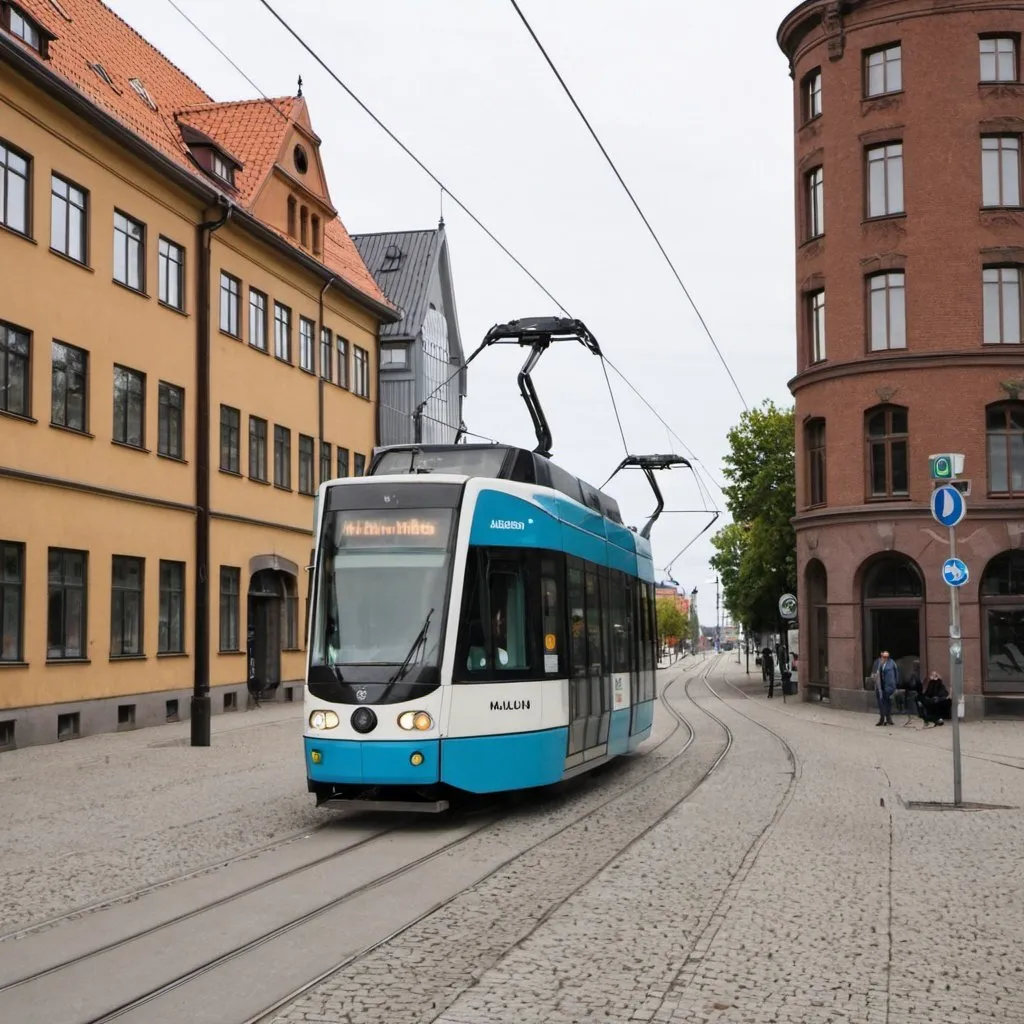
[672, 625]
[756, 553]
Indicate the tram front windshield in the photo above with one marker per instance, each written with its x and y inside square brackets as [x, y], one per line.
[382, 586]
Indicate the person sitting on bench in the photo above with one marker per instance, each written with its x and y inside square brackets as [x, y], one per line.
[934, 705]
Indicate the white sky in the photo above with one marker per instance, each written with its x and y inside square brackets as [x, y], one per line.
[692, 99]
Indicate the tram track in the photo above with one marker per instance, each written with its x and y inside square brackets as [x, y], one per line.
[267, 1015]
[56, 973]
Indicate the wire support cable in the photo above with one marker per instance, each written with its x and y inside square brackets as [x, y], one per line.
[632, 199]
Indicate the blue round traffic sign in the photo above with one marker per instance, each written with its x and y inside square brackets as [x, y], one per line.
[948, 506]
[955, 572]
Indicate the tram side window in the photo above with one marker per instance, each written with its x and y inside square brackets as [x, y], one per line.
[579, 682]
[652, 634]
[495, 635]
[595, 661]
[617, 624]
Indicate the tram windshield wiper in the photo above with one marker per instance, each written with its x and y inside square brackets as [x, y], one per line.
[421, 637]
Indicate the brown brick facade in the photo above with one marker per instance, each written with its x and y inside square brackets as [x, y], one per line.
[906, 214]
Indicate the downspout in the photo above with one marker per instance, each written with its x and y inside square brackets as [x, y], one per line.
[318, 362]
[200, 711]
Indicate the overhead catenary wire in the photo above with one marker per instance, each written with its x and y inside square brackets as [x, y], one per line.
[705, 494]
[632, 199]
[412, 156]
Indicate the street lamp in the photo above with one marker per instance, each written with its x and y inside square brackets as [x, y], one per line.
[695, 616]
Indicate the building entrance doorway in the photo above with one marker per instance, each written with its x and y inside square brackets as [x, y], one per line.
[271, 627]
[816, 584]
[893, 614]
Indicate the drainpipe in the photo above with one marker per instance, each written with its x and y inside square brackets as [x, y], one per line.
[318, 363]
[200, 711]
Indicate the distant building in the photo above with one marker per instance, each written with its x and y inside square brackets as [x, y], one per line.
[681, 600]
[423, 350]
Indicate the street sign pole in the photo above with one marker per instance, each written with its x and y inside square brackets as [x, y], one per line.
[956, 675]
[948, 509]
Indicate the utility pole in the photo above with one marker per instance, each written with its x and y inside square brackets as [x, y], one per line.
[948, 509]
[718, 620]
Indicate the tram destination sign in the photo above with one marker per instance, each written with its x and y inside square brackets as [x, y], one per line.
[426, 528]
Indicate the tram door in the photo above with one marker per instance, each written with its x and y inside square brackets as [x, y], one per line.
[579, 680]
[635, 640]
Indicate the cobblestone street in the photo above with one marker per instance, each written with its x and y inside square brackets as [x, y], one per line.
[761, 862]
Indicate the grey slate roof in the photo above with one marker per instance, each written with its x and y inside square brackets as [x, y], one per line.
[401, 263]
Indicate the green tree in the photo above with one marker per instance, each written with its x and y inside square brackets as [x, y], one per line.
[671, 622]
[694, 626]
[756, 553]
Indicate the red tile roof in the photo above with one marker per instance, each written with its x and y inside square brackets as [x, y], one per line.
[252, 131]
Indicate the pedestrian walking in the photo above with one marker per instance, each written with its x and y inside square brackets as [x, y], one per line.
[768, 669]
[886, 676]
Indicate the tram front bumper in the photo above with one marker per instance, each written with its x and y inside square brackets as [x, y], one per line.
[373, 762]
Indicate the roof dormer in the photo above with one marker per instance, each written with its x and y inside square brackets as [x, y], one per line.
[212, 157]
[32, 33]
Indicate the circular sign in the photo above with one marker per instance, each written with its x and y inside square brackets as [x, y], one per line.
[549, 642]
[787, 606]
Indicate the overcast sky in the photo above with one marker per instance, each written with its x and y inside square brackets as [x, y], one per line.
[693, 101]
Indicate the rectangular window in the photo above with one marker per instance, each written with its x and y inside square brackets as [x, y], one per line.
[230, 439]
[126, 617]
[282, 457]
[129, 252]
[230, 292]
[66, 604]
[171, 638]
[129, 407]
[170, 425]
[883, 71]
[342, 461]
[307, 331]
[230, 582]
[812, 95]
[885, 180]
[257, 448]
[1004, 425]
[888, 460]
[68, 219]
[998, 59]
[358, 465]
[171, 272]
[14, 370]
[888, 316]
[1000, 170]
[290, 632]
[282, 332]
[816, 325]
[257, 320]
[325, 461]
[306, 485]
[13, 189]
[1002, 305]
[326, 354]
[68, 386]
[815, 435]
[360, 372]
[816, 202]
[25, 29]
[342, 362]
[12, 600]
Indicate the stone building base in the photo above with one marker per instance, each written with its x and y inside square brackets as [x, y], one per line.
[52, 723]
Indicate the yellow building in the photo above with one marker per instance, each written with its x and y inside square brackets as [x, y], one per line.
[187, 348]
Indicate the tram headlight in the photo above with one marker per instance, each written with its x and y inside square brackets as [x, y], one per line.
[324, 720]
[418, 720]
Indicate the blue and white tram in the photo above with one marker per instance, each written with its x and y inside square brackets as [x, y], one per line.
[481, 621]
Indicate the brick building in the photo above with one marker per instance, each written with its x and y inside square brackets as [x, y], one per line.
[910, 250]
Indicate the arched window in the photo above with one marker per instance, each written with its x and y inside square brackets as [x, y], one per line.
[317, 247]
[1002, 605]
[816, 590]
[814, 445]
[1004, 429]
[304, 227]
[886, 427]
[291, 215]
[893, 598]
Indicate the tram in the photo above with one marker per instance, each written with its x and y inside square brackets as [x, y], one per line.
[480, 621]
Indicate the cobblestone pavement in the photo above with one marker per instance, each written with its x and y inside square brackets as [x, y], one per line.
[87, 819]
